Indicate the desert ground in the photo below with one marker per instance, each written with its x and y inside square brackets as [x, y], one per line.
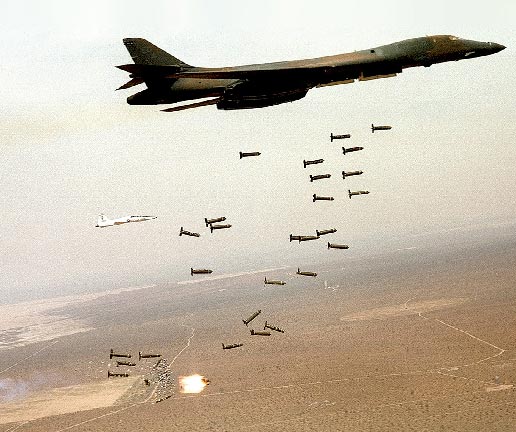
[421, 338]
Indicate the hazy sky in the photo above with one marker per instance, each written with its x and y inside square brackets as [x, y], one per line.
[72, 147]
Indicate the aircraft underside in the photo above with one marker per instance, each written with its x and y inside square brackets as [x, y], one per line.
[237, 95]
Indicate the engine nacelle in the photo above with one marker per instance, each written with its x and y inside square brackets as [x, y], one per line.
[234, 101]
[149, 97]
[378, 73]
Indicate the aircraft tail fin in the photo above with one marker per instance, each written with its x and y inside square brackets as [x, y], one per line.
[101, 218]
[145, 53]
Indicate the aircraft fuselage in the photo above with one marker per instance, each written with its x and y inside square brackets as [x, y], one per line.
[258, 85]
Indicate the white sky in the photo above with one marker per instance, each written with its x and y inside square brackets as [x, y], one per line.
[73, 148]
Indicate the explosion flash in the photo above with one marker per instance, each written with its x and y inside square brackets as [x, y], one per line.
[192, 383]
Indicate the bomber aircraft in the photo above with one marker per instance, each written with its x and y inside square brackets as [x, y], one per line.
[103, 222]
[170, 80]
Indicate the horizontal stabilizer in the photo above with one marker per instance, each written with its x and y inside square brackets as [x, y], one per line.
[193, 105]
[140, 73]
[131, 83]
[140, 69]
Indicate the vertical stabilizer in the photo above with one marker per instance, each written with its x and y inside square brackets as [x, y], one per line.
[145, 53]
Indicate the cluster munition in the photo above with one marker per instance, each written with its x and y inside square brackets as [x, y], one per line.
[379, 128]
[117, 374]
[188, 233]
[360, 192]
[214, 224]
[252, 317]
[113, 354]
[306, 273]
[319, 177]
[301, 238]
[271, 327]
[351, 149]
[307, 238]
[200, 271]
[208, 222]
[140, 355]
[214, 227]
[260, 333]
[273, 282]
[231, 346]
[312, 162]
[351, 173]
[124, 363]
[321, 198]
[338, 137]
[337, 246]
[324, 232]
[253, 332]
[249, 154]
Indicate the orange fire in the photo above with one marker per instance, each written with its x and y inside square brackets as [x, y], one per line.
[192, 383]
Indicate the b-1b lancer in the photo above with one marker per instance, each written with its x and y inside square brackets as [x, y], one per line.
[170, 80]
[103, 222]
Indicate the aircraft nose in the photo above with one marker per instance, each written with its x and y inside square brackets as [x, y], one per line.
[495, 47]
[499, 47]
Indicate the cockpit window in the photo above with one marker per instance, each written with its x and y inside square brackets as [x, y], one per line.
[454, 38]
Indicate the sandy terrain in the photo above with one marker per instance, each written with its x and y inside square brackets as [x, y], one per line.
[66, 399]
[411, 340]
[36, 321]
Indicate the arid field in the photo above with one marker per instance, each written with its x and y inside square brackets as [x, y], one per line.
[415, 339]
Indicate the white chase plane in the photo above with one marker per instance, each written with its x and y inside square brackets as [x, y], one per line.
[103, 222]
